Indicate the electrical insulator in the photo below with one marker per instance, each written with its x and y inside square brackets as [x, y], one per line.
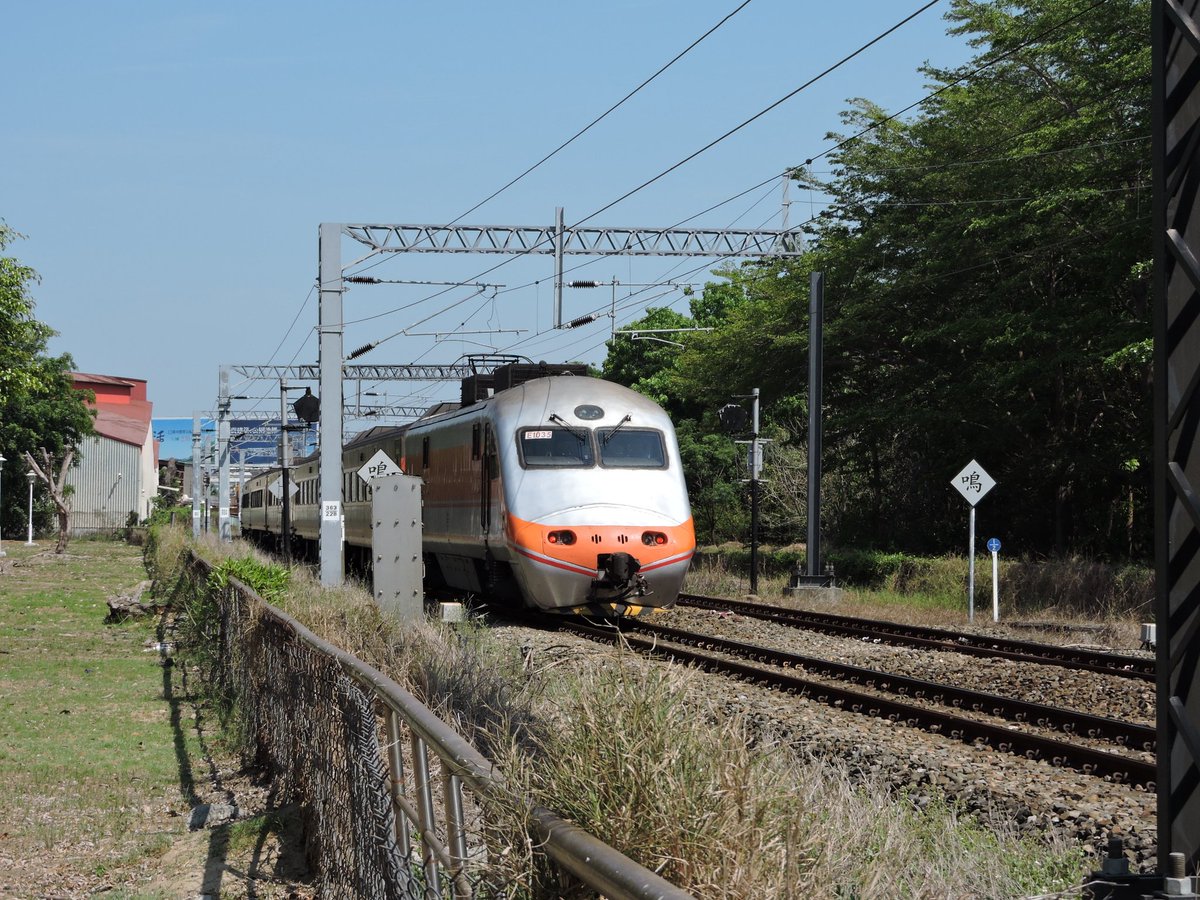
[361, 279]
[583, 284]
[582, 320]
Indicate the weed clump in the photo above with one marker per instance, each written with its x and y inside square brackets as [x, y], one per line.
[641, 758]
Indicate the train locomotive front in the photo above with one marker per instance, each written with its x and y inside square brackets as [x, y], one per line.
[567, 491]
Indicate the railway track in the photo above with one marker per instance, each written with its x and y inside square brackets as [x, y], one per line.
[1134, 667]
[779, 670]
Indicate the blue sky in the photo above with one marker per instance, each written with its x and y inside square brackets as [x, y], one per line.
[170, 163]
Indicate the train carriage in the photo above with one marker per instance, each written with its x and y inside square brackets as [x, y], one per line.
[563, 492]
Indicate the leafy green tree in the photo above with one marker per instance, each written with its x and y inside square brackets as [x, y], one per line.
[645, 363]
[712, 471]
[38, 407]
[986, 269]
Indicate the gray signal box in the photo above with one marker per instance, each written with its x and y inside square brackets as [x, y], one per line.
[396, 546]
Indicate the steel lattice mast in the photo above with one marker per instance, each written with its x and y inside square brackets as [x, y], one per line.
[520, 240]
[1176, 109]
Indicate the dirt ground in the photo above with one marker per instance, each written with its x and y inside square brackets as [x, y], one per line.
[257, 854]
[260, 854]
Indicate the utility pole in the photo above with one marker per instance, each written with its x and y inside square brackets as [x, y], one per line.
[816, 303]
[755, 472]
[330, 361]
[223, 405]
[285, 461]
[197, 479]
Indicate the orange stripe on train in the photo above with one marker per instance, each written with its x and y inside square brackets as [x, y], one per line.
[591, 540]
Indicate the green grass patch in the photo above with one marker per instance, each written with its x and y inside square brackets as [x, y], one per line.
[90, 740]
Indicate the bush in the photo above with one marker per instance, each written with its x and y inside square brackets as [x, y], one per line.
[1071, 586]
[1076, 586]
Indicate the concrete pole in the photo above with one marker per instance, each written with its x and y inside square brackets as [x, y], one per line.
[29, 536]
[2, 462]
[755, 471]
[331, 359]
[816, 304]
[285, 462]
[197, 479]
[223, 504]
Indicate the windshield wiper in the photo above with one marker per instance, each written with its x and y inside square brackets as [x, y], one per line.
[579, 433]
[608, 437]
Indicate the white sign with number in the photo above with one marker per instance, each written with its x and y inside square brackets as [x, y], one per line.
[973, 482]
[378, 466]
[331, 510]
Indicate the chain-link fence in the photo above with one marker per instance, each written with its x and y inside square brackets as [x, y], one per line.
[397, 804]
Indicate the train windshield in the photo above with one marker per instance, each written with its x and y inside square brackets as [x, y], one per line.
[631, 448]
[555, 447]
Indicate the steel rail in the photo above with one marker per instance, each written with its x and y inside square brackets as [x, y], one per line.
[1087, 760]
[593, 862]
[1072, 722]
[1136, 667]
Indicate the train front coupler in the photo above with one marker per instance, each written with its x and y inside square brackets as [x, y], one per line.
[618, 577]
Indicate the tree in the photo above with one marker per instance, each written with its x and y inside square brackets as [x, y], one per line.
[986, 269]
[55, 479]
[712, 472]
[39, 409]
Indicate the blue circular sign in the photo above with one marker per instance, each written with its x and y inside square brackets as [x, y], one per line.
[993, 545]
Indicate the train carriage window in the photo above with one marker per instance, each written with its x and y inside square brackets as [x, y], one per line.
[425, 452]
[476, 441]
[631, 448]
[555, 448]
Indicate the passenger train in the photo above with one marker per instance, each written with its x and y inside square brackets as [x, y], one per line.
[544, 487]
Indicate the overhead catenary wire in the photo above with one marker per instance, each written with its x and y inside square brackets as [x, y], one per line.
[604, 114]
[729, 133]
[825, 152]
[762, 112]
[551, 332]
[968, 75]
[1012, 157]
[971, 74]
[828, 150]
[592, 123]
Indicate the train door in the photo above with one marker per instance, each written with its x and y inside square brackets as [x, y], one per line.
[489, 471]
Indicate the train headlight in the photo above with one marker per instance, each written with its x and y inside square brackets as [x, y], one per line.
[652, 538]
[561, 537]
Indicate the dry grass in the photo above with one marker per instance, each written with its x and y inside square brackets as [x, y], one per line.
[641, 757]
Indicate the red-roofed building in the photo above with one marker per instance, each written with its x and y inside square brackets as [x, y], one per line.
[118, 470]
